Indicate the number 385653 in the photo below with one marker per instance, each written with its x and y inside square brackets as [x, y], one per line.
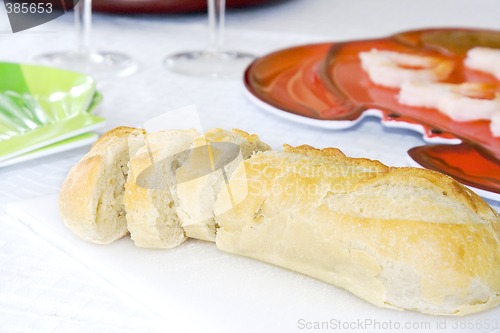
[26, 7]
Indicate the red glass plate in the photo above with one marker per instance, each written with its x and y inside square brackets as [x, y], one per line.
[290, 84]
[324, 85]
[450, 159]
[163, 6]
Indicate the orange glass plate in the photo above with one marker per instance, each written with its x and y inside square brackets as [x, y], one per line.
[324, 85]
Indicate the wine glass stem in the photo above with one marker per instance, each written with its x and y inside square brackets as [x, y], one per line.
[216, 18]
[83, 24]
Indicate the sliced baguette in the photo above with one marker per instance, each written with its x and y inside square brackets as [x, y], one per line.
[151, 216]
[195, 193]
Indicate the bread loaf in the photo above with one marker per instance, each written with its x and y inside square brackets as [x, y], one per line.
[402, 238]
[90, 200]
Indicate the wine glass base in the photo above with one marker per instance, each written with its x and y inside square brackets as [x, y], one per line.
[98, 64]
[209, 64]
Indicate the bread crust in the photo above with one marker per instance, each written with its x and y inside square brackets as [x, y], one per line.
[402, 238]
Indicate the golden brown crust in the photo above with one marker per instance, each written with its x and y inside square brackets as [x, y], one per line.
[249, 137]
[415, 176]
[112, 135]
[249, 143]
[449, 187]
[335, 155]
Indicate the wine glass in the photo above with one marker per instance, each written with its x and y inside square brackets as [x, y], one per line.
[213, 61]
[84, 59]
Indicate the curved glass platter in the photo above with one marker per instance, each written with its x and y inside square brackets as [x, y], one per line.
[323, 85]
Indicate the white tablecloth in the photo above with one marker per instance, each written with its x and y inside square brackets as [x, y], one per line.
[44, 290]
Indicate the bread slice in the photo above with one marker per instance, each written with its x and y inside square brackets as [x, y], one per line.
[401, 238]
[213, 158]
[90, 200]
[151, 216]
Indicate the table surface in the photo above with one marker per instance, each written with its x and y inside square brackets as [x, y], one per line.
[44, 290]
